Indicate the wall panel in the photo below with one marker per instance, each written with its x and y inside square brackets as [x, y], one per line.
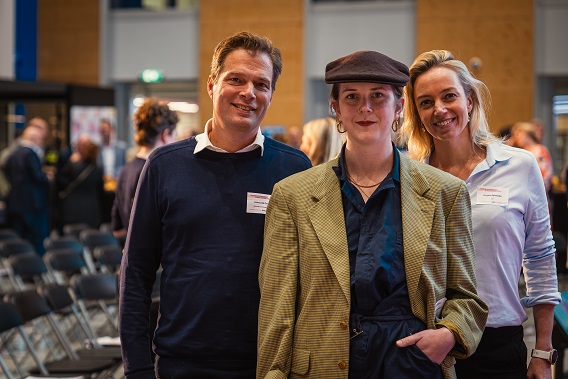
[500, 33]
[68, 41]
[282, 21]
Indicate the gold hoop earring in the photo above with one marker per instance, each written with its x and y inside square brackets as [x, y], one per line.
[395, 125]
[338, 126]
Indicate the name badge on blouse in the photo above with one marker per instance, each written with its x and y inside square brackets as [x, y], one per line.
[257, 202]
[492, 195]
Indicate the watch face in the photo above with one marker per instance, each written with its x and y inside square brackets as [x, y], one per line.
[553, 356]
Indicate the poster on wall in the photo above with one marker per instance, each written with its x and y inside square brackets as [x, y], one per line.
[87, 119]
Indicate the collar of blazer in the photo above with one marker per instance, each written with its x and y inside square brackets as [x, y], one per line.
[417, 218]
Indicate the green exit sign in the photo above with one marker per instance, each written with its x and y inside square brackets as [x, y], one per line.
[151, 76]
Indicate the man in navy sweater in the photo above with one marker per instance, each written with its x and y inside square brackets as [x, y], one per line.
[199, 213]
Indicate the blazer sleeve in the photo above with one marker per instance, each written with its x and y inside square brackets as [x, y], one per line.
[464, 313]
[278, 278]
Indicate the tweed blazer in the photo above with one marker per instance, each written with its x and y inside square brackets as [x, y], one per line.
[305, 279]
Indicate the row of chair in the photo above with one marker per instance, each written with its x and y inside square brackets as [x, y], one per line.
[43, 311]
[78, 274]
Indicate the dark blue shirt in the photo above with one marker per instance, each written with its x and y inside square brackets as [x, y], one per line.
[374, 237]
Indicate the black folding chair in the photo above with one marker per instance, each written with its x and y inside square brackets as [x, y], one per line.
[108, 258]
[29, 268]
[93, 238]
[33, 308]
[61, 302]
[63, 263]
[73, 230]
[97, 292]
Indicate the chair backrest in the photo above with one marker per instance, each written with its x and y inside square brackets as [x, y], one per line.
[95, 286]
[73, 230]
[109, 256]
[15, 246]
[56, 295]
[92, 238]
[30, 304]
[63, 243]
[28, 266]
[65, 260]
[9, 317]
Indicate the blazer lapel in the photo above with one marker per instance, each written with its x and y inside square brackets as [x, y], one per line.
[327, 218]
[417, 218]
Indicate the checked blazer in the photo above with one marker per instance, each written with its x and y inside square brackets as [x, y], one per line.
[305, 279]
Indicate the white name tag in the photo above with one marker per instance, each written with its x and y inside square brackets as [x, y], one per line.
[492, 195]
[257, 202]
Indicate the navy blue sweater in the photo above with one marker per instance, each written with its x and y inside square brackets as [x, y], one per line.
[190, 216]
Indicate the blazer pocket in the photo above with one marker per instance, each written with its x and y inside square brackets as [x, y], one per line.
[300, 361]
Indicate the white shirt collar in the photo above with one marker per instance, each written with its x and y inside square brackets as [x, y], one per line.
[203, 142]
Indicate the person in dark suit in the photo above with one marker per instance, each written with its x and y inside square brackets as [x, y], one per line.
[28, 200]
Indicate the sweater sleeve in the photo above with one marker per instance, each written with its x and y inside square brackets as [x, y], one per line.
[141, 259]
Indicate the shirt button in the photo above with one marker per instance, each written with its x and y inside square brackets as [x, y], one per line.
[342, 365]
[343, 325]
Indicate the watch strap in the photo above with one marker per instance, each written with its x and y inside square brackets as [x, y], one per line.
[550, 356]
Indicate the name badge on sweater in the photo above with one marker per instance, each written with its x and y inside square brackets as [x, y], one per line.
[257, 202]
[492, 195]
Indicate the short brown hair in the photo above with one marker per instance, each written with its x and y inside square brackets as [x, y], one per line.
[250, 42]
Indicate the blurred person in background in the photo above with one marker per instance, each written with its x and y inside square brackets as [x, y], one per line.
[80, 186]
[28, 198]
[321, 141]
[524, 135]
[293, 137]
[154, 126]
[112, 153]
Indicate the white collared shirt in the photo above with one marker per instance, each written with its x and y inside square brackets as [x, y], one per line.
[203, 142]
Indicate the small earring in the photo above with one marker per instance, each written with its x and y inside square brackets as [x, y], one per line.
[468, 116]
[395, 125]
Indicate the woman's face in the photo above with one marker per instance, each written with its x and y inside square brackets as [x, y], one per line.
[442, 104]
[367, 111]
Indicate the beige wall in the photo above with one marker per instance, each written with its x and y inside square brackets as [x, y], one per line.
[500, 33]
[282, 21]
[68, 41]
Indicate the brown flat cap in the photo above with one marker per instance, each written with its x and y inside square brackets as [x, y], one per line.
[366, 66]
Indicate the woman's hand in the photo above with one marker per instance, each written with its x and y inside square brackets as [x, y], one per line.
[435, 343]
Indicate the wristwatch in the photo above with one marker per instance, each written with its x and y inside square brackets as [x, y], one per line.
[550, 356]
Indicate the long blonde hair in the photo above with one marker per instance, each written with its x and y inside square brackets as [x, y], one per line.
[325, 140]
[417, 139]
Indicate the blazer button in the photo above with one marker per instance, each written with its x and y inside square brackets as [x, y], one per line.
[343, 325]
[342, 365]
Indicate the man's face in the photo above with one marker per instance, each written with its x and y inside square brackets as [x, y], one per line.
[106, 130]
[243, 91]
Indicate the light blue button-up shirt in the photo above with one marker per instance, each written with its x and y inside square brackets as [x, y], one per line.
[510, 236]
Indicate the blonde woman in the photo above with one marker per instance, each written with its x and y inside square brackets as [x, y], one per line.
[446, 126]
[321, 141]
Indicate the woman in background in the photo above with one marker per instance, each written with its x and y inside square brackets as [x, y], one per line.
[321, 141]
[445, 125]
[154, 126]
[80, 186]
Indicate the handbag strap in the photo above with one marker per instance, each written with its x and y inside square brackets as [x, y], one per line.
[71, 186]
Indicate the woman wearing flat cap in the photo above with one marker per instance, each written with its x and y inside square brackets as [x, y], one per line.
[367, 269]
